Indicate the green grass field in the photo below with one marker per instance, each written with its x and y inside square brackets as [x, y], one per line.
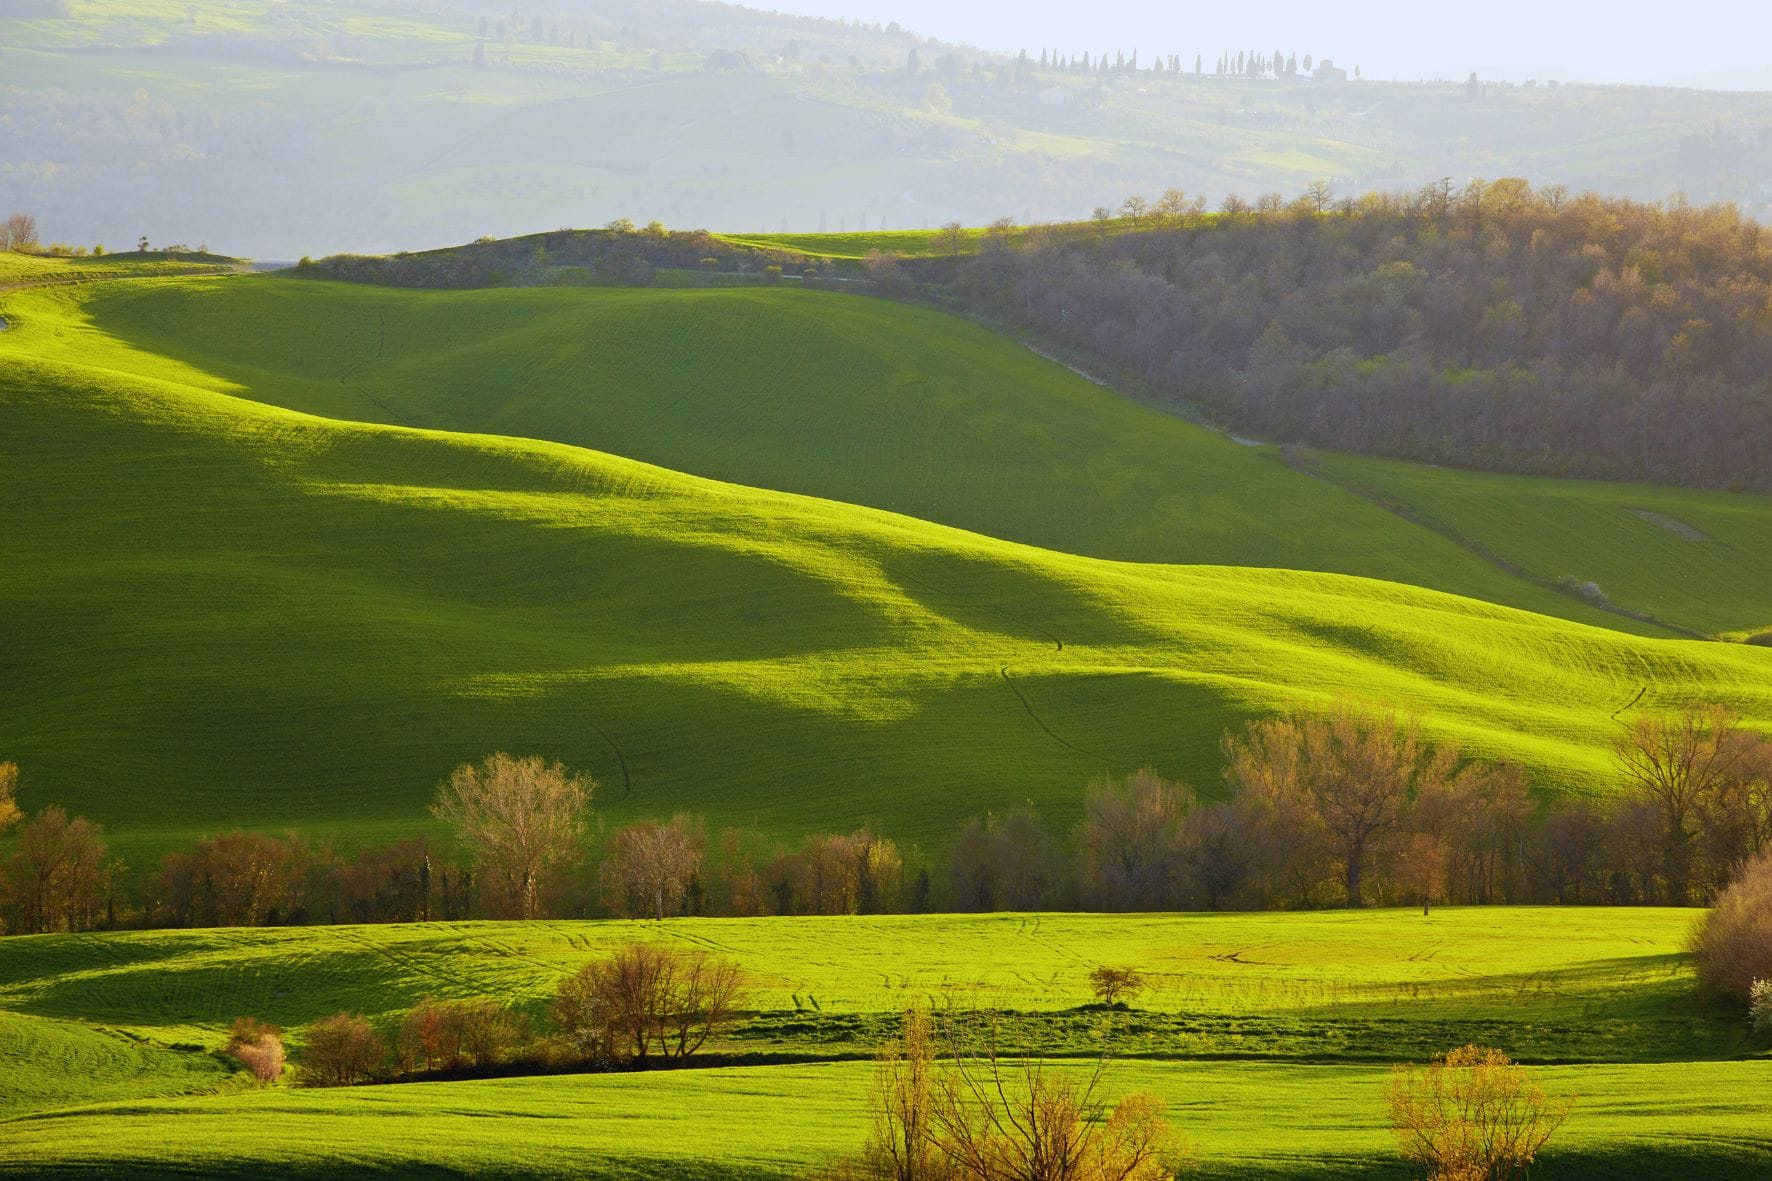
[135, 1018]
[1651, 1123]
[199, 583]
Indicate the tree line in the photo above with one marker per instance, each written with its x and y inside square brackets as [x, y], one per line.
[1470, 326]
[1350, 806]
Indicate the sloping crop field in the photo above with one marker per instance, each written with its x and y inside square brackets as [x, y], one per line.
[222, 612]
[842, 397]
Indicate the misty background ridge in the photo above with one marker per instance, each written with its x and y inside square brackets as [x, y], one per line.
[275, 129]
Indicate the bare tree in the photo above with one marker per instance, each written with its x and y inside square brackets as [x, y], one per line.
[650, 863]
[519, 817]
[1027, 1120]
[1134, 208]
[449, 1035]
[56, 879]
[342, 1050]
[1354, 770]
[1319, 193]
[1173, 206]
[1130, 841]
[901, 1100]
[953, 237]
[1472, 1116]
[1678, 763]
[19, 232]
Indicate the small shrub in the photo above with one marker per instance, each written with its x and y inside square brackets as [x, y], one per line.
[646, 1000]
[342, 1050]
[258, 1047]
[1733, 941]
[451, 1035]
[1472, 1116]
[1761, 1007]
[1113, 986]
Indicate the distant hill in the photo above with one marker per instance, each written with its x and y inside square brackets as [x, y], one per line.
[279, 129]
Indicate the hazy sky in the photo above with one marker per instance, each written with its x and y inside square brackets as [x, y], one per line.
[1717, 44]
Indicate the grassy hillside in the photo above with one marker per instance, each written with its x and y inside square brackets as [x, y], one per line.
[857, 400]
[1326, 999]
[22, 270]
[199, 587]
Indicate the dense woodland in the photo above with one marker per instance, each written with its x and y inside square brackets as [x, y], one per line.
[1494, 326]
[1349, 808]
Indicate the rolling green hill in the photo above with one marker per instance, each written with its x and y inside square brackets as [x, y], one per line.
[224, 612]
[858, 400]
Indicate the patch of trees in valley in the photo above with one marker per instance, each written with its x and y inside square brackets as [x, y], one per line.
[1492, 326]
[1350, 807]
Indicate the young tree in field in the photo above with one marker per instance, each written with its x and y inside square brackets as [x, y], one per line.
[520, 817]
[1678, 764]
[19, 232]
[1472, 1116]
[1355, 770]
[56, 878]
[342, 1050]
[9, 813]
[993, 1120]
[651, 865]
[646, 999]
[953, 238]
[1113, 985]
[1732, 943]
[901, 1100]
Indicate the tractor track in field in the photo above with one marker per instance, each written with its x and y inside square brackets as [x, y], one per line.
[1041, 722]
[627, 782]
[1305, 466]
[1003, 670]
